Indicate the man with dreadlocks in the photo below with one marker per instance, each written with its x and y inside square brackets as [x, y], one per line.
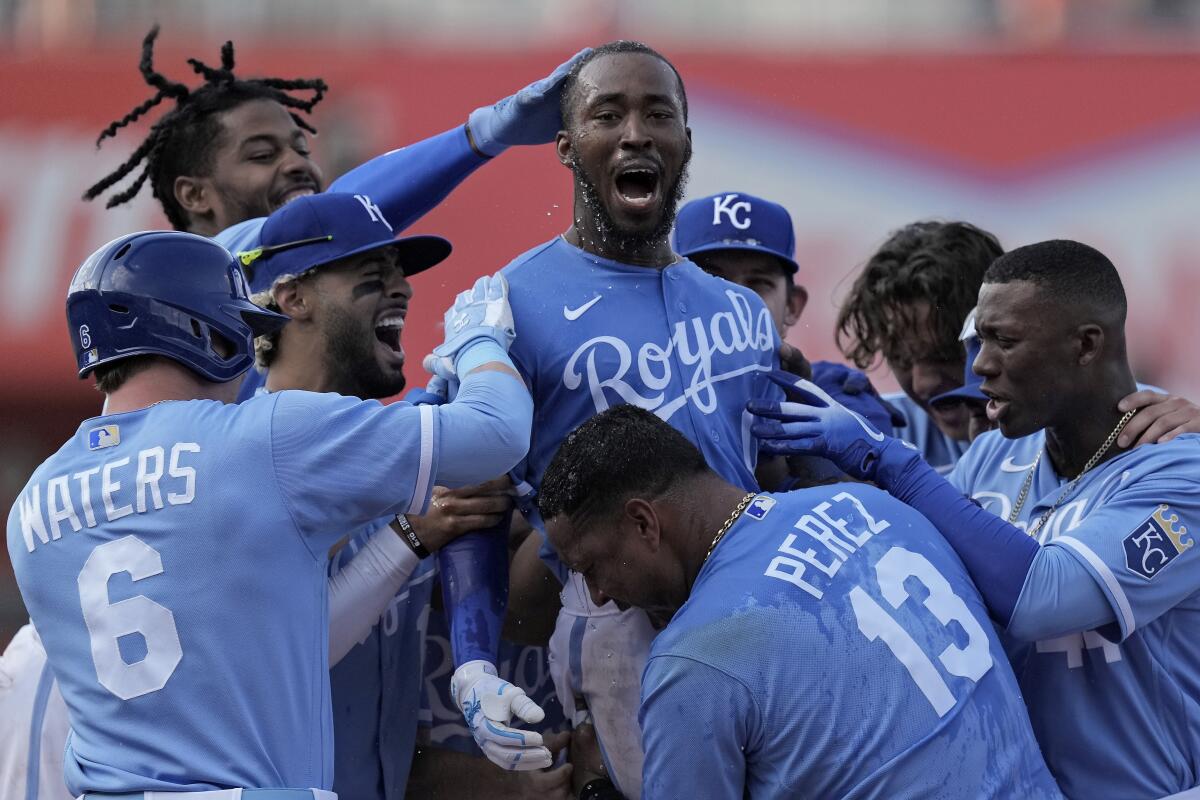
[234, 150]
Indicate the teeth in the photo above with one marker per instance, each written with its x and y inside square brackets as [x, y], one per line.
[391, 322]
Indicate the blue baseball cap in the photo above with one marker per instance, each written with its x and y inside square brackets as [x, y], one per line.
[969, 391]
[736, 221]
[318, 229]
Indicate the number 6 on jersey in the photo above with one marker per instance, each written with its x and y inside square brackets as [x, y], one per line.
[107, 622]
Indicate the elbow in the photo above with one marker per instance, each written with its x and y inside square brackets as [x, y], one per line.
[514, 432]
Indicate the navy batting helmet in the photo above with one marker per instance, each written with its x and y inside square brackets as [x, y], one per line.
[170, 294]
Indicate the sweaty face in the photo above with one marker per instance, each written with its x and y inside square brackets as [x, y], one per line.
[1026, 359]
[614, 567]
[628, 146]
[361, 305]
[925, 368]
[262, 161]
[762, 274]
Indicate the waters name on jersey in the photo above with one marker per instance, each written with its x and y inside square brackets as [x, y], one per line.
[151, 480]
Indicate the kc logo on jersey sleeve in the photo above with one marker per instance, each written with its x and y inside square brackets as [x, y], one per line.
[1156, 543]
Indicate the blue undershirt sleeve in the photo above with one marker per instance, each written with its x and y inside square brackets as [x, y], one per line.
[996, 553]
[474, 571]
[408, 182]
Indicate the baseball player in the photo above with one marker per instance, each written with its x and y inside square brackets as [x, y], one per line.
[138, 554]
[1086, 558]
[235, 149]
[332, 264]
[819, 643]
[908, 305]
[611, 315]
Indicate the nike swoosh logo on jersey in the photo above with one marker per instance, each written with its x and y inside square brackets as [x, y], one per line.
[573, 314]
[1008, 465]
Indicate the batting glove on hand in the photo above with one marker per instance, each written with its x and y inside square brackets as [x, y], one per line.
[817, 426]
[489, 703]
[481, 311]
[531, 116]
[853, 389]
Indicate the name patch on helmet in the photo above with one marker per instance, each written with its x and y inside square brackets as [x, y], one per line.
[104, 436]
[1156, 543]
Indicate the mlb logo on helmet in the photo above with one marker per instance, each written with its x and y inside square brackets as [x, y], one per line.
[759, 507]
[1156, 543]
[104, 436]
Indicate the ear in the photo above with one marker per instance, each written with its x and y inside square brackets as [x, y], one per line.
[194, 194]
[1089, 341]
[797, 300]
[641, 519]
[294, 299]
[564, 147]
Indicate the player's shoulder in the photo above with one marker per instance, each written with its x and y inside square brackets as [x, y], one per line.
[1178, 458]
[526, 268]
[992, 451]
[691, 272]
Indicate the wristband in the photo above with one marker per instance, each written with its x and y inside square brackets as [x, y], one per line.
[410, 536]
[600, 789]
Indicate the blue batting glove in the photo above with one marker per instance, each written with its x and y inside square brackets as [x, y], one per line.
[479, 312]
[531, 116]
[854, 390]
[817, 425]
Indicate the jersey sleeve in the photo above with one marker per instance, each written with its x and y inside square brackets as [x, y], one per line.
[408, 182]
[341, 462]
[1139, 546]
[698, 727]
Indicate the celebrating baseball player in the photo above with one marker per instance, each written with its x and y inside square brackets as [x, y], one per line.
[140, 559]
[1084, 552]
[814, 642]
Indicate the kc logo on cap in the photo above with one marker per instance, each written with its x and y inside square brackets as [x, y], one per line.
[724, 204]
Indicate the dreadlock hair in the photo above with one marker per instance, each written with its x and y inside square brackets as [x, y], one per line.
[939, 263]
[183, 140]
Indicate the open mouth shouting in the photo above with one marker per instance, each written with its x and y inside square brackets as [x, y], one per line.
[388, 327]
[638, 187]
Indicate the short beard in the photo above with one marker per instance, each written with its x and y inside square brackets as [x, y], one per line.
[632, 244]
[350, 363]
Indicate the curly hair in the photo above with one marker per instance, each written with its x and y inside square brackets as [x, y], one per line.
[183, 141]
[939, 263]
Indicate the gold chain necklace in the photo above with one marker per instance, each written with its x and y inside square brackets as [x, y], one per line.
[737, 512]
[1091, 462]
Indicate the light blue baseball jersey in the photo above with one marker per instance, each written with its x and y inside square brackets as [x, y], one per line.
[833, 646]
[594, 333]
[939, 450]
[1129, 691]
[175, 561]
[377, 690]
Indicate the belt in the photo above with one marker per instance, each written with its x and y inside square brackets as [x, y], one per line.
[217, 794]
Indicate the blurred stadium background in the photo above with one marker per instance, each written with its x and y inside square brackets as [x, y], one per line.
[1032, 118]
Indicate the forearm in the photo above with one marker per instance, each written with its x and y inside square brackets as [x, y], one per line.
[474, 571]
[360, 592]
[485, 430]
[1060, 597]
[408, 182]
[997, 554]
